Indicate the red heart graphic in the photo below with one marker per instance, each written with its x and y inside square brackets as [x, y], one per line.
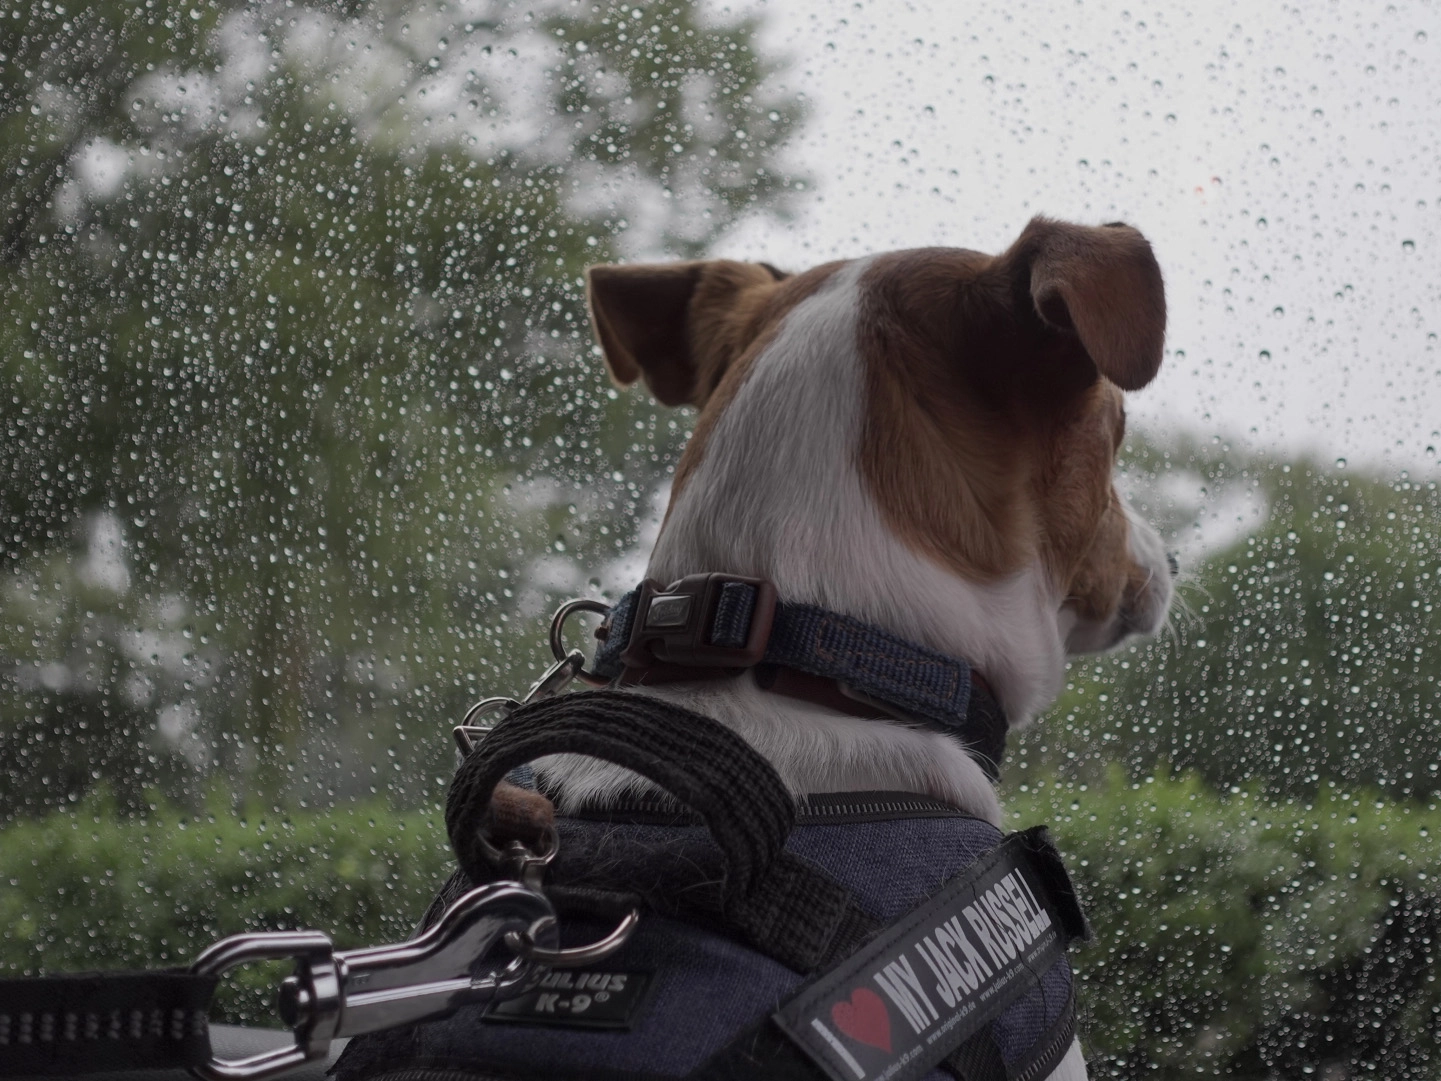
[864, 1019]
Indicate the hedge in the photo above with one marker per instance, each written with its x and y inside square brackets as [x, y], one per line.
[1233, 936]
[95, 890]
[1244, 938]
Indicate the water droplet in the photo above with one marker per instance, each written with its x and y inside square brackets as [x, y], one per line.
[1420, 35]
[1408, 245]
[1340, 463]
[1278, 311]
[1260, 223]
[1265, 354]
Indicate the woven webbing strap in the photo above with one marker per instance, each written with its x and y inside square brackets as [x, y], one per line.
[102, 1021]
[906, 679]
[917, 679]
[782, 904]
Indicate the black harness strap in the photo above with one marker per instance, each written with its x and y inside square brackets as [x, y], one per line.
[102, 1021]
[782, 904]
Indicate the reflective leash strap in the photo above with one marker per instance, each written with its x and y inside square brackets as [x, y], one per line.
[91, 1022]
[102, 1022]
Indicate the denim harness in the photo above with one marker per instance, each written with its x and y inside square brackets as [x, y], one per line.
[749, 902]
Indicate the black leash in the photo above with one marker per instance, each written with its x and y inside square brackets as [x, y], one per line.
[93, 1022]
[70, 1025]
[782, 904]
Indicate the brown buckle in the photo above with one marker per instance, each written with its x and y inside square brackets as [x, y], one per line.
[672, 626]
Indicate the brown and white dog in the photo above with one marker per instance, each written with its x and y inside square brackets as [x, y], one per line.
[923, 440]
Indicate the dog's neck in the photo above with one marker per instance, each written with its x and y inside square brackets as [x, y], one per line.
[777, 494]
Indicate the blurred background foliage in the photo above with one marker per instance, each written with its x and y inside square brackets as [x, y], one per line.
[305, 436]
[303, 424]
[1304, 648]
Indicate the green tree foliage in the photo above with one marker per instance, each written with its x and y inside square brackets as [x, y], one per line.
[291, 325]
[1307, 649]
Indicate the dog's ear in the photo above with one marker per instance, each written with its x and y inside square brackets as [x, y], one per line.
[641, 315]
[1104, 285]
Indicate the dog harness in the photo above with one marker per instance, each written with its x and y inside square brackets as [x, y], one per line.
[850, 937]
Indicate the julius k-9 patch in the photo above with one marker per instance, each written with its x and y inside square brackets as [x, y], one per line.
[928, 983]
[578, 999]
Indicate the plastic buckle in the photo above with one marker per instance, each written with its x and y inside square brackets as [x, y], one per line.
[675, 625]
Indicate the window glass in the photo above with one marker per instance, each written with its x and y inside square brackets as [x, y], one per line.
[306, 436]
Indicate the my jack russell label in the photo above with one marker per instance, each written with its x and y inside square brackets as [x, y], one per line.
[930, 982]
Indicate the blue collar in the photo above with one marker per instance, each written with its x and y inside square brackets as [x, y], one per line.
[709, 626]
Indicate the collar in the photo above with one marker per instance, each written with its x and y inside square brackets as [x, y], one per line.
[713, 626]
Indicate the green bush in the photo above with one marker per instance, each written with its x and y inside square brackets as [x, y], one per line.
[1246, 938]
[1233, 936]
[95, 890]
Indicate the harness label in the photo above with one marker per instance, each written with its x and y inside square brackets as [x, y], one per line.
[931, 981]
[573, 998]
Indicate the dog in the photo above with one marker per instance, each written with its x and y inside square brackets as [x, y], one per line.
[893, 523]
[923, 440]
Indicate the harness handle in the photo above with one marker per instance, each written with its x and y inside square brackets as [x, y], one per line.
[704, 766]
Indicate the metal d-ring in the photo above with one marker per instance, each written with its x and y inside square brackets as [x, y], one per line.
[467, 731]
[522, 944]
[557, 625]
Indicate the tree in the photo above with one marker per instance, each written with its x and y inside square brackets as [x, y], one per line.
[1307, 650]
[297, 369]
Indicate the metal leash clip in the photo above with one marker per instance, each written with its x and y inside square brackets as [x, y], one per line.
[568, 668]
[333, 994]
[524, 864]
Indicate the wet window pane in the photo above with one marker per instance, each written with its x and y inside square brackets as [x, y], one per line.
[306, 436]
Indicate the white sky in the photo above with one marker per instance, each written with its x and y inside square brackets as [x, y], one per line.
[1285, 162]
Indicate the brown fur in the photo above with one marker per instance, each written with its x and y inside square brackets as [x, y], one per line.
[707, 341]
[993, 408]
[990, 437]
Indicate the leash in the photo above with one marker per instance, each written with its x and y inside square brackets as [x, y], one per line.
[97, 1022]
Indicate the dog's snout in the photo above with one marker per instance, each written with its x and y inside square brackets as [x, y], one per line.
[1173, 563]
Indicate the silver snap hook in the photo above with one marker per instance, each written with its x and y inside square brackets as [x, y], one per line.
[557, 643]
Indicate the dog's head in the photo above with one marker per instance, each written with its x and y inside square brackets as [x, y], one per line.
[924, 439]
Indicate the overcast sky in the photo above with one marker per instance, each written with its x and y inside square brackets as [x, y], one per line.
[1283, 160]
